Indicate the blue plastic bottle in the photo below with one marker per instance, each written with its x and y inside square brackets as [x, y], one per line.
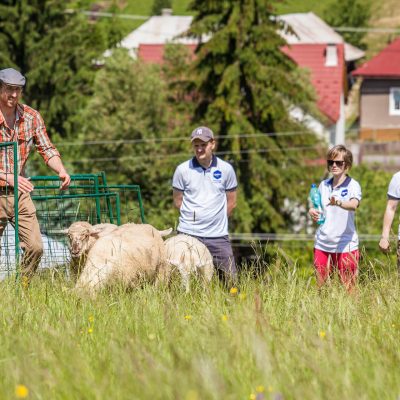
[315, 197]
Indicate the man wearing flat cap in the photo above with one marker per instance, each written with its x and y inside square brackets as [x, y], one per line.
[24, 125]
[204, 191]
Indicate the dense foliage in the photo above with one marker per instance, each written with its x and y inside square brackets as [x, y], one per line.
[56, 50]
[132, 132]
[350, 13]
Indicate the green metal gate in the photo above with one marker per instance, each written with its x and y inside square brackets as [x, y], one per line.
[89, 198]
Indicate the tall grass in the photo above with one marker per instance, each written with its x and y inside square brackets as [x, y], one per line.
[277, 337]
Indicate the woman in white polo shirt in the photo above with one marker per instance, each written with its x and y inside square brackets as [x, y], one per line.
[336, 240]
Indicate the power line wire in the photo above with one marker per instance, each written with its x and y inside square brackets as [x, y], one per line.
[107, 14]
[176, 155]
[185, 138]
[365, 29]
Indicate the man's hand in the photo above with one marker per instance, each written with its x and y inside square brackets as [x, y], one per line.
[384, 245]
[65, 180]
[24, 184]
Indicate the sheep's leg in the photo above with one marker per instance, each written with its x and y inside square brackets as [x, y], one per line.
[163, 274]
[185, 281]
[207, 272]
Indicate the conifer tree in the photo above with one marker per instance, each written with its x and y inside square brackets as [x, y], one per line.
[56, 50]
[246, 86]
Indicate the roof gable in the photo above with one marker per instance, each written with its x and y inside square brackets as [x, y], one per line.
[310, 29]
[385, 64]
[328, 81]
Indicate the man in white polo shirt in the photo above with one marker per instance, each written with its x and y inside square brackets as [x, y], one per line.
[204, 191]
[393, 198]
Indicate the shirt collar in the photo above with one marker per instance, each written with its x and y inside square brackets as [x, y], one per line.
[345, 183]
[19, 114]
[196, 164]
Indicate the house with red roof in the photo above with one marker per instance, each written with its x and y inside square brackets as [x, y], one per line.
[380, 95]
[314, 45]
[327, 70]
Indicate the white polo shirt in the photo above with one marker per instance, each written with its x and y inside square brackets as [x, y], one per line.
[394, 190]
[204, 207]
[338, 233]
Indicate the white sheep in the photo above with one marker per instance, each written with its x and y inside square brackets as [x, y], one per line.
[127, 255]
[189, 256]
[83, 236]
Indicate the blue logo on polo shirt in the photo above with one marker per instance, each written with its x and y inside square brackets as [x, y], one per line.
[344, 192]
[217, 174]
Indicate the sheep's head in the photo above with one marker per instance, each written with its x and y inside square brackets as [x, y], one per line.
[83, 235]
[79, 238]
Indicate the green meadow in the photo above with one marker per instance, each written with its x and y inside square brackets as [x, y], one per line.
[273, 336]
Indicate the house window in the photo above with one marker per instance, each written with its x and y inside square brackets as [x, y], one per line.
[394, 101]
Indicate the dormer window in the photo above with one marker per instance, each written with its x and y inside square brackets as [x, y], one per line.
[331, 56]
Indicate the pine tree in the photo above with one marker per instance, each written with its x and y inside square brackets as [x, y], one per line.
[246, 86]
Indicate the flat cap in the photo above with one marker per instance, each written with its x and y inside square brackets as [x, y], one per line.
[10, 76]
[203, 133]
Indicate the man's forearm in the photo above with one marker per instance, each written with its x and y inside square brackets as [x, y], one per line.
[56, 164]
[387, 222]
[178, 204]
[231, 198]
[177, 197]
[230, 208]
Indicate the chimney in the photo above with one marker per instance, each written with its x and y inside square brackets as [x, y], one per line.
[166, 12]
[331, 56]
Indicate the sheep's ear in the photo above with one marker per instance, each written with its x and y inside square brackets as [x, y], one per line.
[101, 230]
[95, 231]
[166, 232]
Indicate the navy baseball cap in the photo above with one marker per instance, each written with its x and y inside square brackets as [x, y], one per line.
[203, 133]
[11, 76]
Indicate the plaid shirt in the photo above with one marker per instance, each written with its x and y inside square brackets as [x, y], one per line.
[29, 130]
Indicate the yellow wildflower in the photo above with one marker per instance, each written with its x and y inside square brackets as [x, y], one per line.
[191, 395]
[260, 388]
[252, 396]
[322, 334]
[90, 330]
[151, 336]
[21, 392]
[224, 318]
[233, 290]
[270, 389]
[188, 317]
[242, 296]
[91, 318]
